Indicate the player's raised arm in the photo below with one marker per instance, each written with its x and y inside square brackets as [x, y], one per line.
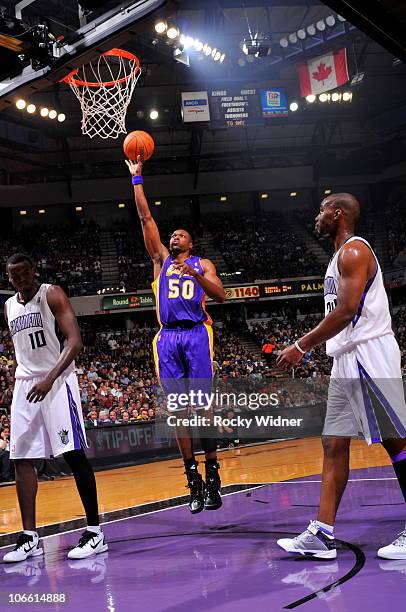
[157, 251]
[66, 319]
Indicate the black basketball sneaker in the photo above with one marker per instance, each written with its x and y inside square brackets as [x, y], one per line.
[212, 497]
[196, 485]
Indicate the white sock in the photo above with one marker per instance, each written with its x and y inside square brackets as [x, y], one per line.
[96, 529]
[326, 528]
[33, 534]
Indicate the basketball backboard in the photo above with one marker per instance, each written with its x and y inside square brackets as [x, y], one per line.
[59, 54]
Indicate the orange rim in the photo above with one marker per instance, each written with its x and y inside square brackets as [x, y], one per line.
[70, 78]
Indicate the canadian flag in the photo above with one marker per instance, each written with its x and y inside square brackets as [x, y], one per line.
[323, 73]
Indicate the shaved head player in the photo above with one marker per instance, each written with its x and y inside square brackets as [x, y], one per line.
[366, 391]
[46, 412]
[183, 347]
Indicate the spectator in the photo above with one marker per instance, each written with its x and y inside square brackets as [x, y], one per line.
[104, 417]
[92, 420]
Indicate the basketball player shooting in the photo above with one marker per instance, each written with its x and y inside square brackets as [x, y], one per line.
[183, 347]
[366, 391]
[46, 414]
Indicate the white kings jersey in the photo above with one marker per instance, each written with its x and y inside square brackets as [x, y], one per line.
[37, 339]
[373, 318]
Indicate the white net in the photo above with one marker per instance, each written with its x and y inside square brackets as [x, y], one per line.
[104, 88]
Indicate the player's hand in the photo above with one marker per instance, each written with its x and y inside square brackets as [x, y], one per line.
[289, 357]
[40, 390]
[135, 168]
[184, 268]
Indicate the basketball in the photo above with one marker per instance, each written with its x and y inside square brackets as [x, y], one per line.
[138, 143]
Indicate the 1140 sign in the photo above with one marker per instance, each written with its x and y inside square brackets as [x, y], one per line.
[235, 293]
[240, 293]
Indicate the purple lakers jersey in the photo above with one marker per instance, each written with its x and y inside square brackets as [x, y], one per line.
[179, 298]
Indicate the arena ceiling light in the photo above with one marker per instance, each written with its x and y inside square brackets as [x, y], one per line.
[44, 111]
[293, 194]
[198, 45]
[172, 32]
[121, 205]
[311, 98]
[310, 30]
[23, 212]
[157, 202]
[294, 106]
[161, 26]
[186, 42]
[223, 198]
[78, 208]
[264, 196]
[335, 97]
[41, 211]
[327, 191]
[154, 115]
[207, 49]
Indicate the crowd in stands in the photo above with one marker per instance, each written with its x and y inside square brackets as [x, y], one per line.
[280, 333]
[262, 247]
[134, 263]
[399, 322]
[257, 247]
[396, 228]
[70, 258]
[366, 228]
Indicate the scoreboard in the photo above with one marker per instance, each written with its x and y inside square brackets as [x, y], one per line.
[242, 107]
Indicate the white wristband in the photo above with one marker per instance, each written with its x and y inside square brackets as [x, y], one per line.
[299, 349]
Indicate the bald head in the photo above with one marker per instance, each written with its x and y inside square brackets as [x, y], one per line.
[347, 203]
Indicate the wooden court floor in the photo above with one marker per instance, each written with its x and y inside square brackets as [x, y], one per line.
[131, 486]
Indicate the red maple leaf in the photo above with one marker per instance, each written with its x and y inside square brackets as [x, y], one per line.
[322, 73]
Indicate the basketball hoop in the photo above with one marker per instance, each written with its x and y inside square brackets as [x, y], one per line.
[104, 88]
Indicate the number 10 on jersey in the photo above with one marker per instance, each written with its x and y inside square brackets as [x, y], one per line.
[37, 339]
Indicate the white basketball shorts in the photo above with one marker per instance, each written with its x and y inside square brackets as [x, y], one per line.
[366, 395]
[48, 428]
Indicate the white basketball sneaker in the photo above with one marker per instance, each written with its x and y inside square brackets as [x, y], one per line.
[396, 550]
[89, 544]
[313, 542]
[26, 546]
